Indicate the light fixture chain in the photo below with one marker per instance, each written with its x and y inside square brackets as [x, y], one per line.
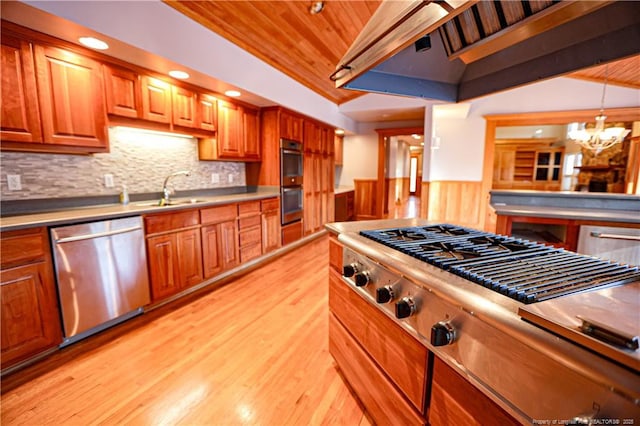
[604, 88]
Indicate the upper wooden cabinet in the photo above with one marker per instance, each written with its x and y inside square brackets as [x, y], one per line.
[71, 98]
[527, 164]
[237, 137]
[206, 112]
[338, 146]
[156, 100]
[183, 106]
[123, 92]
[20, 116]
[291, 126]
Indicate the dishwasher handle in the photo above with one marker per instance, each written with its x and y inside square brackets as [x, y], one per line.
[615, 236]
[97, 235]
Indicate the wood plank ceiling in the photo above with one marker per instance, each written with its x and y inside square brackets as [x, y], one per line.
[284, 34]
[308, 47]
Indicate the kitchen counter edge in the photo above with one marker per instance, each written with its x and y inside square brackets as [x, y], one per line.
[113, 211]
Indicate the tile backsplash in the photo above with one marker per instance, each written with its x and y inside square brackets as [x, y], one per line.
[137, 159]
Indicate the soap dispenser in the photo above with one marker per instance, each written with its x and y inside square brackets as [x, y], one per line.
[124, 195]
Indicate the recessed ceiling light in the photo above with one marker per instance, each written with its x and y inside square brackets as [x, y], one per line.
[179, 74]
[316, 7]
[93, 43]
[232, 93]
[416, 136]
[339, 132]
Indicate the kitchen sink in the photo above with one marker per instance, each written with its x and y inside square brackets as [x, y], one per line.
[178, 202]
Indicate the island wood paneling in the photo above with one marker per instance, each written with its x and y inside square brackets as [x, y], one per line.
[365, 198]
[455, 202]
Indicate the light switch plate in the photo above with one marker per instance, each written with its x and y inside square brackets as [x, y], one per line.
[230, 178]
[108, 180]
[215, 178]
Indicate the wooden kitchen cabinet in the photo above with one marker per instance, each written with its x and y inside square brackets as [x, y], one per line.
[220, 250]
[174, 252]
[20, 115]
[122, 91]
[291, 126]
[338, 149]
[156, 100]
[455, 401]
[271, 239]
[71, 98]
[344, 206]
[207, 112]
[30, 320]
[250, 134]
[250, 230]
[183, 107]
[238, 134]
[527, 164]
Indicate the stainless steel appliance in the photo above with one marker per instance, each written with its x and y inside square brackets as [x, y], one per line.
[291, 178]
[478, 302]
[609, 242]
[101, 271]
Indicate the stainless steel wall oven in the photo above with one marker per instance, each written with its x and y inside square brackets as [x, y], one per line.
[290, 181]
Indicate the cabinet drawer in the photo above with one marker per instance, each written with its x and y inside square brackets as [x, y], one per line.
[250, 252]
[402, 357]
[270, 204]
[23, 246]
[170, 221]
[248, 208]
[249, 222]
[250, 236]
[218, 214]
[381, 399]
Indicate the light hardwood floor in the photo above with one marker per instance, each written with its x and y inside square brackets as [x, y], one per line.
[252, 352]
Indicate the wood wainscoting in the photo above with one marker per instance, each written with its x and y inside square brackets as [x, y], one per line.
[455, 202]
[396, 192]
[365, 199]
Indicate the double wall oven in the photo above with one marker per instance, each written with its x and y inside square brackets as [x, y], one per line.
[290, 181]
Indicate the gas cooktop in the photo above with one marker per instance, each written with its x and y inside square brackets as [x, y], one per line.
[523, 270]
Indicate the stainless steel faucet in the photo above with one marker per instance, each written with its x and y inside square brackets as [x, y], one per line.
[166, 192]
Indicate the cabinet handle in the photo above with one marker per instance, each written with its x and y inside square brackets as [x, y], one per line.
[615, 236]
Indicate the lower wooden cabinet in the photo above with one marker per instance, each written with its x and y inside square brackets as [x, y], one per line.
[454, 401]
[249, 230]
[344, 206]
[220, 250]
[175, 262]
[30, 320]
[270, 225]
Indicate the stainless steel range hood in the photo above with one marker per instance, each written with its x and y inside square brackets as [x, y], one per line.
[493, 54]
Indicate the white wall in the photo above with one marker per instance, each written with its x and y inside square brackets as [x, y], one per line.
[460, 155]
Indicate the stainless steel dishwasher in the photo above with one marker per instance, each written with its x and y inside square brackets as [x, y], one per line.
[101, 271]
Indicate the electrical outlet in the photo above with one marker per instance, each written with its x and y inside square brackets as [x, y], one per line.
[230, 178]
[108, 180]
[13, 181]
[215, 178]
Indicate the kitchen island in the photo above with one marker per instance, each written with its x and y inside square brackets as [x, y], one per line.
[420, 344]
[556, 218]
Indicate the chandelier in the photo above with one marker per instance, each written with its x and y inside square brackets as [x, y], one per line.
[599, 138]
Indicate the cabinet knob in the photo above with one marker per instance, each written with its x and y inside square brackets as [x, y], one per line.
[442, 334]
[384, 294]
[405, 308]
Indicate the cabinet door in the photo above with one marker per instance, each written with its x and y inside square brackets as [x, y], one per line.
[207, 112]
[20, 116]
[30, 320]
[156, 100]
[229, 244]
[189, 257]
[229, 130]
[211, 255]
[122, 90]
[71, 96]
[338, 149]
[183, 107]
[270, 231]
[251, 142]
[291, 127]
[163, 274]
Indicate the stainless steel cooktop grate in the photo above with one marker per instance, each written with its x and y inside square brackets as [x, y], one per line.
[520, 269]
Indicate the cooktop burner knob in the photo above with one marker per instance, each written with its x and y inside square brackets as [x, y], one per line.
[405, 308]
[442, 334]
[362, 279]
[384, 294]
[350, 270]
